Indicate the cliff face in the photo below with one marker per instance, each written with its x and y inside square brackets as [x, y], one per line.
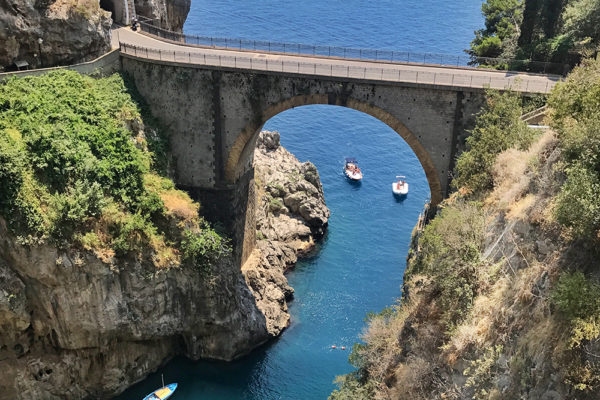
[291, 213]
[74, 327]
[171, 14]
[71, 31]
[507, 341]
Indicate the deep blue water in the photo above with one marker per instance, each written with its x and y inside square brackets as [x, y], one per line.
[358, 267]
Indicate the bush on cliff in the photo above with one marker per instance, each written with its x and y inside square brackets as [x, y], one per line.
[498, 128]
[577, 300]
[76, 169]
[575, 106]
[449, 253]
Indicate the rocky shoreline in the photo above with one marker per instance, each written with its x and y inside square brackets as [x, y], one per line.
[291, 215]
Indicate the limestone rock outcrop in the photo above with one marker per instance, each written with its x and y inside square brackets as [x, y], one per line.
[291, 214]
[47, 33]
[171, 14]
[70, 31]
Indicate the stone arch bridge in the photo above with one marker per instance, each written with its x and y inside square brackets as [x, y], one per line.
[213, 103]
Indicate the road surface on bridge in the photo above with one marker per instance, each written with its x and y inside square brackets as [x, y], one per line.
[144, 46]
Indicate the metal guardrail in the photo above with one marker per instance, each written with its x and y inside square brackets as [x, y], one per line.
[535, 113]
[389, 73]
[355, 53]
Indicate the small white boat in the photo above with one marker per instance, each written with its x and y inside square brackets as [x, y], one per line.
[400, 187]
[352, 170]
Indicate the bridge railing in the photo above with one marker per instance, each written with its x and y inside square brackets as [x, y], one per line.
[333, 69]
[355, 53]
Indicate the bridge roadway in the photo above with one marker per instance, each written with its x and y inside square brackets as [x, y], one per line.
[144, 46]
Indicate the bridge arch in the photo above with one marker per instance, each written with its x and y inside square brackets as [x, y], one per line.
[240, 157]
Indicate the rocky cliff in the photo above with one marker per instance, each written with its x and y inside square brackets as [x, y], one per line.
[291, 215]
[170, 14]
[70, 31]
[73, 326]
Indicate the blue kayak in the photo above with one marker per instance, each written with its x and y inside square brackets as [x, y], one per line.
[163, 393]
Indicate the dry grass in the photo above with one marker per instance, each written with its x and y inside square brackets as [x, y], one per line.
[100, 241]
[383, 336]
[477, 330]
[415, 376]
[86, 8]
[180, 205]
[164, 256]
[512, 174]
[520, 209]
[506, 305]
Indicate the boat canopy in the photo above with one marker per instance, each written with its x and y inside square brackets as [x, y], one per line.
[350, 160]
[162, 393]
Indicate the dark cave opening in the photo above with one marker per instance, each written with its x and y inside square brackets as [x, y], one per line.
[108, 5]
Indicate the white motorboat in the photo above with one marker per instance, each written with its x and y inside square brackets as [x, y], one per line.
[400, 187]
[352, 170]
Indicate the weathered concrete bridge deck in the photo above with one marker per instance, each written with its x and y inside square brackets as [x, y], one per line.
[141, 45]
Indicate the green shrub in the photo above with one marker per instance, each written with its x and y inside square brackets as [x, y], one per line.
[19, 198]
[578, 203]
[578, 97]
[68, 210]
[132, 234]
[480, 372]
[204, 247]
[576, 119]
[449, 252]
[351, 388]
[498, 128]
[73, 172]
[577, 299]
[587, 329]
[69, 128]
[276, 204]
[575, 296]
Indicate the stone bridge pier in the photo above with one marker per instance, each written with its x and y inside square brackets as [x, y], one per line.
[213, 116]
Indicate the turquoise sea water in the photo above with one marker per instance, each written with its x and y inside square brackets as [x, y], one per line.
[359, 265]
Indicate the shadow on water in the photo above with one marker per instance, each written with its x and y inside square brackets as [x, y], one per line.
[353, 183]
[399, 198]
[213, 378]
